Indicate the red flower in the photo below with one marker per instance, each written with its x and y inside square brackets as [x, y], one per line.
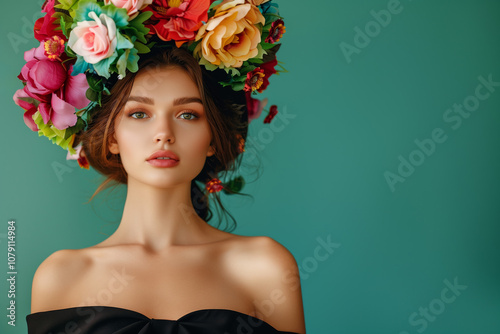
[45, 27]
[272, 113]
[83, 162]
[241, 143]
[268, 71]
[258, 79]
[54, 47]
[79, 155]
[177, 20]
[255, 79]
[254, 106]
[214, 185]
[276, 32]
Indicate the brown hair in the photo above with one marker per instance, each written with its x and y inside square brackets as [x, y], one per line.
[226, 113]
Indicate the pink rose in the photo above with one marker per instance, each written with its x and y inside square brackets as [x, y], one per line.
[94, 40]
[132, 6]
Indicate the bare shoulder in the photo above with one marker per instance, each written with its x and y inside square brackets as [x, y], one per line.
[269, 273]
[267, 254]
[54, 278]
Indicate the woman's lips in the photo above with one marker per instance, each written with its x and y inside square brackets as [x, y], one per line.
[163, 162]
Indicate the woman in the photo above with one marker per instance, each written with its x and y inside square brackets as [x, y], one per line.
[161, 130]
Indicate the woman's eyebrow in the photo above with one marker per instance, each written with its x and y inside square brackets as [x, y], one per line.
[186, 100]
[141, 99]
[178, 101]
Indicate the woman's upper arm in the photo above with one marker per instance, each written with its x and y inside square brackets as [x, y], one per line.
[276, 290]
[52, 281]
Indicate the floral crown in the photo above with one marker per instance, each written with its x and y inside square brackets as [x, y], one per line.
[86, 45]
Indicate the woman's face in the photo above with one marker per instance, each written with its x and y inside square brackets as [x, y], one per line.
[163, 112]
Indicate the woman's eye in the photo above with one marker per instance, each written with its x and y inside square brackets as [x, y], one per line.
[190, 116]
[139, 113]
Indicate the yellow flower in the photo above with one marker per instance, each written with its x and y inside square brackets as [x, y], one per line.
[53, 133]
[231, 36]
[258, 2]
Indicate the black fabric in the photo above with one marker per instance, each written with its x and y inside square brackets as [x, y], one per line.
[116, 320]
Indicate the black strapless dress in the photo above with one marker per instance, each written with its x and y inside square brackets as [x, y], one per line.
[116, 320]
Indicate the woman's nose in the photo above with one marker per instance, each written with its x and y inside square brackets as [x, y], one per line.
[164, 131]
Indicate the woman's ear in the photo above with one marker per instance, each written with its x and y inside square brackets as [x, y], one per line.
[211, 151]
[113, 145]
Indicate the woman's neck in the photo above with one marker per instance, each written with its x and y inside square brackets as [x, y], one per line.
[158, 218]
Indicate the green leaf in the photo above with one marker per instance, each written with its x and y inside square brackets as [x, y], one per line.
[121, 64]
[267, 27]
[65, 30]
[271, 53]
[225, 84]
[136, 26]
[80, 66]
[192, 45]
[270, 18]
[245, 68]
[267, 46]
[209, 66]
[139, 20]
[241, 78]
[95, 82]
[230, 70]
[68, 6]
[215, 3]
[119, 15]
[80, 124]
[151, 44]
[103, 67]
[123, 42]
[255, 61]
[132, 61]
[92, 95]
[65, 22]
[69, 51]
[234, 186]
[238, 86]
[30, 100]
[141, 48]
[84, 7]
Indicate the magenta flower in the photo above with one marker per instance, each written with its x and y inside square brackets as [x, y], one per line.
[61, 113]
[21, 98]
[42, 76]
[75, 88]
[51, 90]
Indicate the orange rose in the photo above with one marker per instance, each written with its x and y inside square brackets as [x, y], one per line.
[258, 2]
[231, 36]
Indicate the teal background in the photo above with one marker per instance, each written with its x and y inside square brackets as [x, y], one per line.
[322, 175]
